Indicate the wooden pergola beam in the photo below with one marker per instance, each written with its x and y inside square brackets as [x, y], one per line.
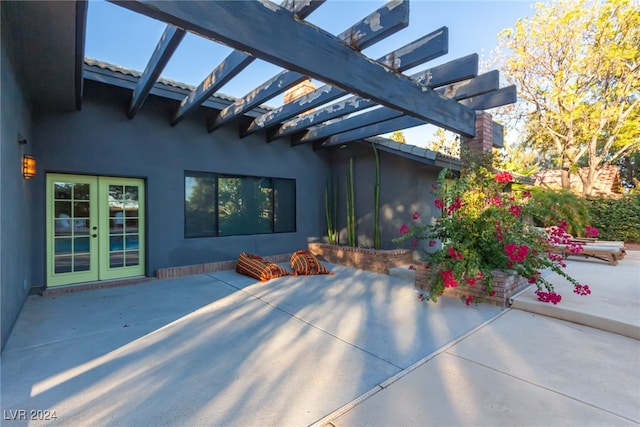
[317, 54]
[504, 96]
[484, 83]
[167, 45]
[415, 53]
[498, 98]
[361, 34]
[459, 69]
[235, 62]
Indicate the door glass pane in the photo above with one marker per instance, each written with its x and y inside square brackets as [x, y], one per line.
[82, 262]
[62, 264]
[123, 225]
[131, 241]
[62, 227]
[81, 227]
[81, 244]
[81, 209]
[72, 226]
[81, 191]
[62, 190]
[62, 246]
[132, 258]
[115, 243]
[116, 259]
[63, 210]
[132, 226]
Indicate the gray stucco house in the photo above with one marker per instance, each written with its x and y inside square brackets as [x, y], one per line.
[115, 197]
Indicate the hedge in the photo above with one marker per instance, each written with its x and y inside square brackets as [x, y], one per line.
[616, 219]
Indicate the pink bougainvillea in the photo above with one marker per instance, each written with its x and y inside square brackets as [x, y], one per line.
[582, 290]
[551, 297]
[503, 177]
[591, 231]
[515, 210]
[479, 229]
[449, 279]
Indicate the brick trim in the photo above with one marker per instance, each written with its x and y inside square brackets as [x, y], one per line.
[374, 260]
[68, 289]
[506, 285]
[210, 267]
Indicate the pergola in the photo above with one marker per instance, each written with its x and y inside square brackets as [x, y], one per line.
[446, 95]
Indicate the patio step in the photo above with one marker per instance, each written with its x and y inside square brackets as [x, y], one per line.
[403, 272]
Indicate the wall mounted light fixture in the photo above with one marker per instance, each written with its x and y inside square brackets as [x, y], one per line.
[28, 167]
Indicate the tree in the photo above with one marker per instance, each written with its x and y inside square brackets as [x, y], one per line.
[518, 158]
[398, 136]
[577, 68]
[444, 142]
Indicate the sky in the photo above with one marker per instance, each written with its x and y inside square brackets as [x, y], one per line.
[121, 37]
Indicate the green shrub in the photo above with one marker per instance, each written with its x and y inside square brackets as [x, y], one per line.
[552, 206]
[617, 219]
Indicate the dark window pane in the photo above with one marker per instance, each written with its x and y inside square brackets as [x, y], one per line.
[284, 208]
[222, 205]
[200, 206]
[245, 205]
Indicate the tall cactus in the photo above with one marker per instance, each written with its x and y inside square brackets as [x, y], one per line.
[331, 212]
[352, 235]
[376, 202]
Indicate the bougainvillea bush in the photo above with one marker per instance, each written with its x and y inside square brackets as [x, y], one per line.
[482, 228]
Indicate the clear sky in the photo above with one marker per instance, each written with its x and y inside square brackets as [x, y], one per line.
[121, 37]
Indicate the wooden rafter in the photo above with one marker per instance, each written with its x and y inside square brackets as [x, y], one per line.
[485, 83]
[235, 62]
[504, 96]
[167, 45]
[459, 69]
[359, 36]
[415, 53]
[317, 54]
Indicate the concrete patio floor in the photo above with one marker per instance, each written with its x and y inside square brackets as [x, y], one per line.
[351, 349]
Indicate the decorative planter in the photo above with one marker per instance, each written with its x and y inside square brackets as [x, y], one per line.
[375, 260]
[505, 284]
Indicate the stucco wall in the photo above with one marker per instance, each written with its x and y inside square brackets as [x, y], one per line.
[16, 194]
[405, 187]
[101, 140]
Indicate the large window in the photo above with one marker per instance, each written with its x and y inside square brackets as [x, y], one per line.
[231, 205]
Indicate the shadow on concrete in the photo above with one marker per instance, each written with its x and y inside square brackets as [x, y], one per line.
[221, 348]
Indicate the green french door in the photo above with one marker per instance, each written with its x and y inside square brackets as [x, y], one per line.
[95, 228]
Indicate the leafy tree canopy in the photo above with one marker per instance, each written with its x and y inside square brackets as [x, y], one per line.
[577, 68]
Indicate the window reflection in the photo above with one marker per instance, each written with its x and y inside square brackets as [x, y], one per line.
[224, 205]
